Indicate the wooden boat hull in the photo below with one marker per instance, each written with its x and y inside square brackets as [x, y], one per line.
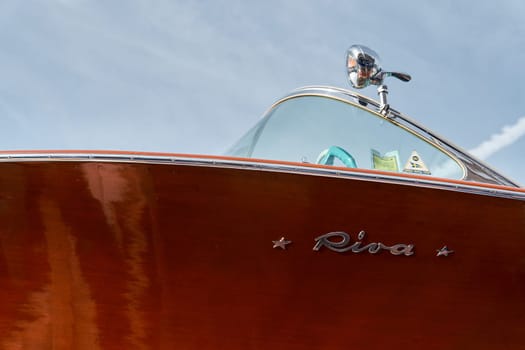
[98, 255]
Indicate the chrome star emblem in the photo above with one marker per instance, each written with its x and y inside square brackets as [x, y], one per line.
[444, 251]
[281, 243]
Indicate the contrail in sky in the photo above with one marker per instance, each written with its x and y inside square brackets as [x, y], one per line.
[507, 136]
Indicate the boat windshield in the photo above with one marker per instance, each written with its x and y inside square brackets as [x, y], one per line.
[330, 131]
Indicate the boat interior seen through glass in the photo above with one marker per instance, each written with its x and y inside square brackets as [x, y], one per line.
[329, 131]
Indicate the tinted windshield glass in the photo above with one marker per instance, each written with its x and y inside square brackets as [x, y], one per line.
[327, 131]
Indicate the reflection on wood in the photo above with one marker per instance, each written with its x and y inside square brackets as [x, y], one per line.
[71, 306]
[137, 256]
[124, 204]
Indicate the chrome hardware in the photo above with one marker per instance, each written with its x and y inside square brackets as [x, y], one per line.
[444, 251]
[362, 66]
[363, 69]
[382, 91]
[281, 243]
[344, 244]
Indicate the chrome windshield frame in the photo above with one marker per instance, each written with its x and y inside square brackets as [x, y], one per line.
[475, 169]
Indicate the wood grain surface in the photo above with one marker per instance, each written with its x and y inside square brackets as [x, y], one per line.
[142, 256]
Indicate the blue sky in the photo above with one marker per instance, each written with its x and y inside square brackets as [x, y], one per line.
[193, 76]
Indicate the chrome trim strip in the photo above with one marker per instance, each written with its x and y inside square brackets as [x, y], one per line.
[261, 166]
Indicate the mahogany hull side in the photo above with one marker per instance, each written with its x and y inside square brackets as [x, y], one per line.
[109, 255]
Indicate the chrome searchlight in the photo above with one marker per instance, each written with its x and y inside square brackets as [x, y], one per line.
[364, 68]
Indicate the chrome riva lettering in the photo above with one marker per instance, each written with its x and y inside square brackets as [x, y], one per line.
[344, 244]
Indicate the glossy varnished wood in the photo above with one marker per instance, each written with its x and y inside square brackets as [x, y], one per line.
[140, 256]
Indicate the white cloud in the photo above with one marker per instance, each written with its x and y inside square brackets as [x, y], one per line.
[505, 138]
